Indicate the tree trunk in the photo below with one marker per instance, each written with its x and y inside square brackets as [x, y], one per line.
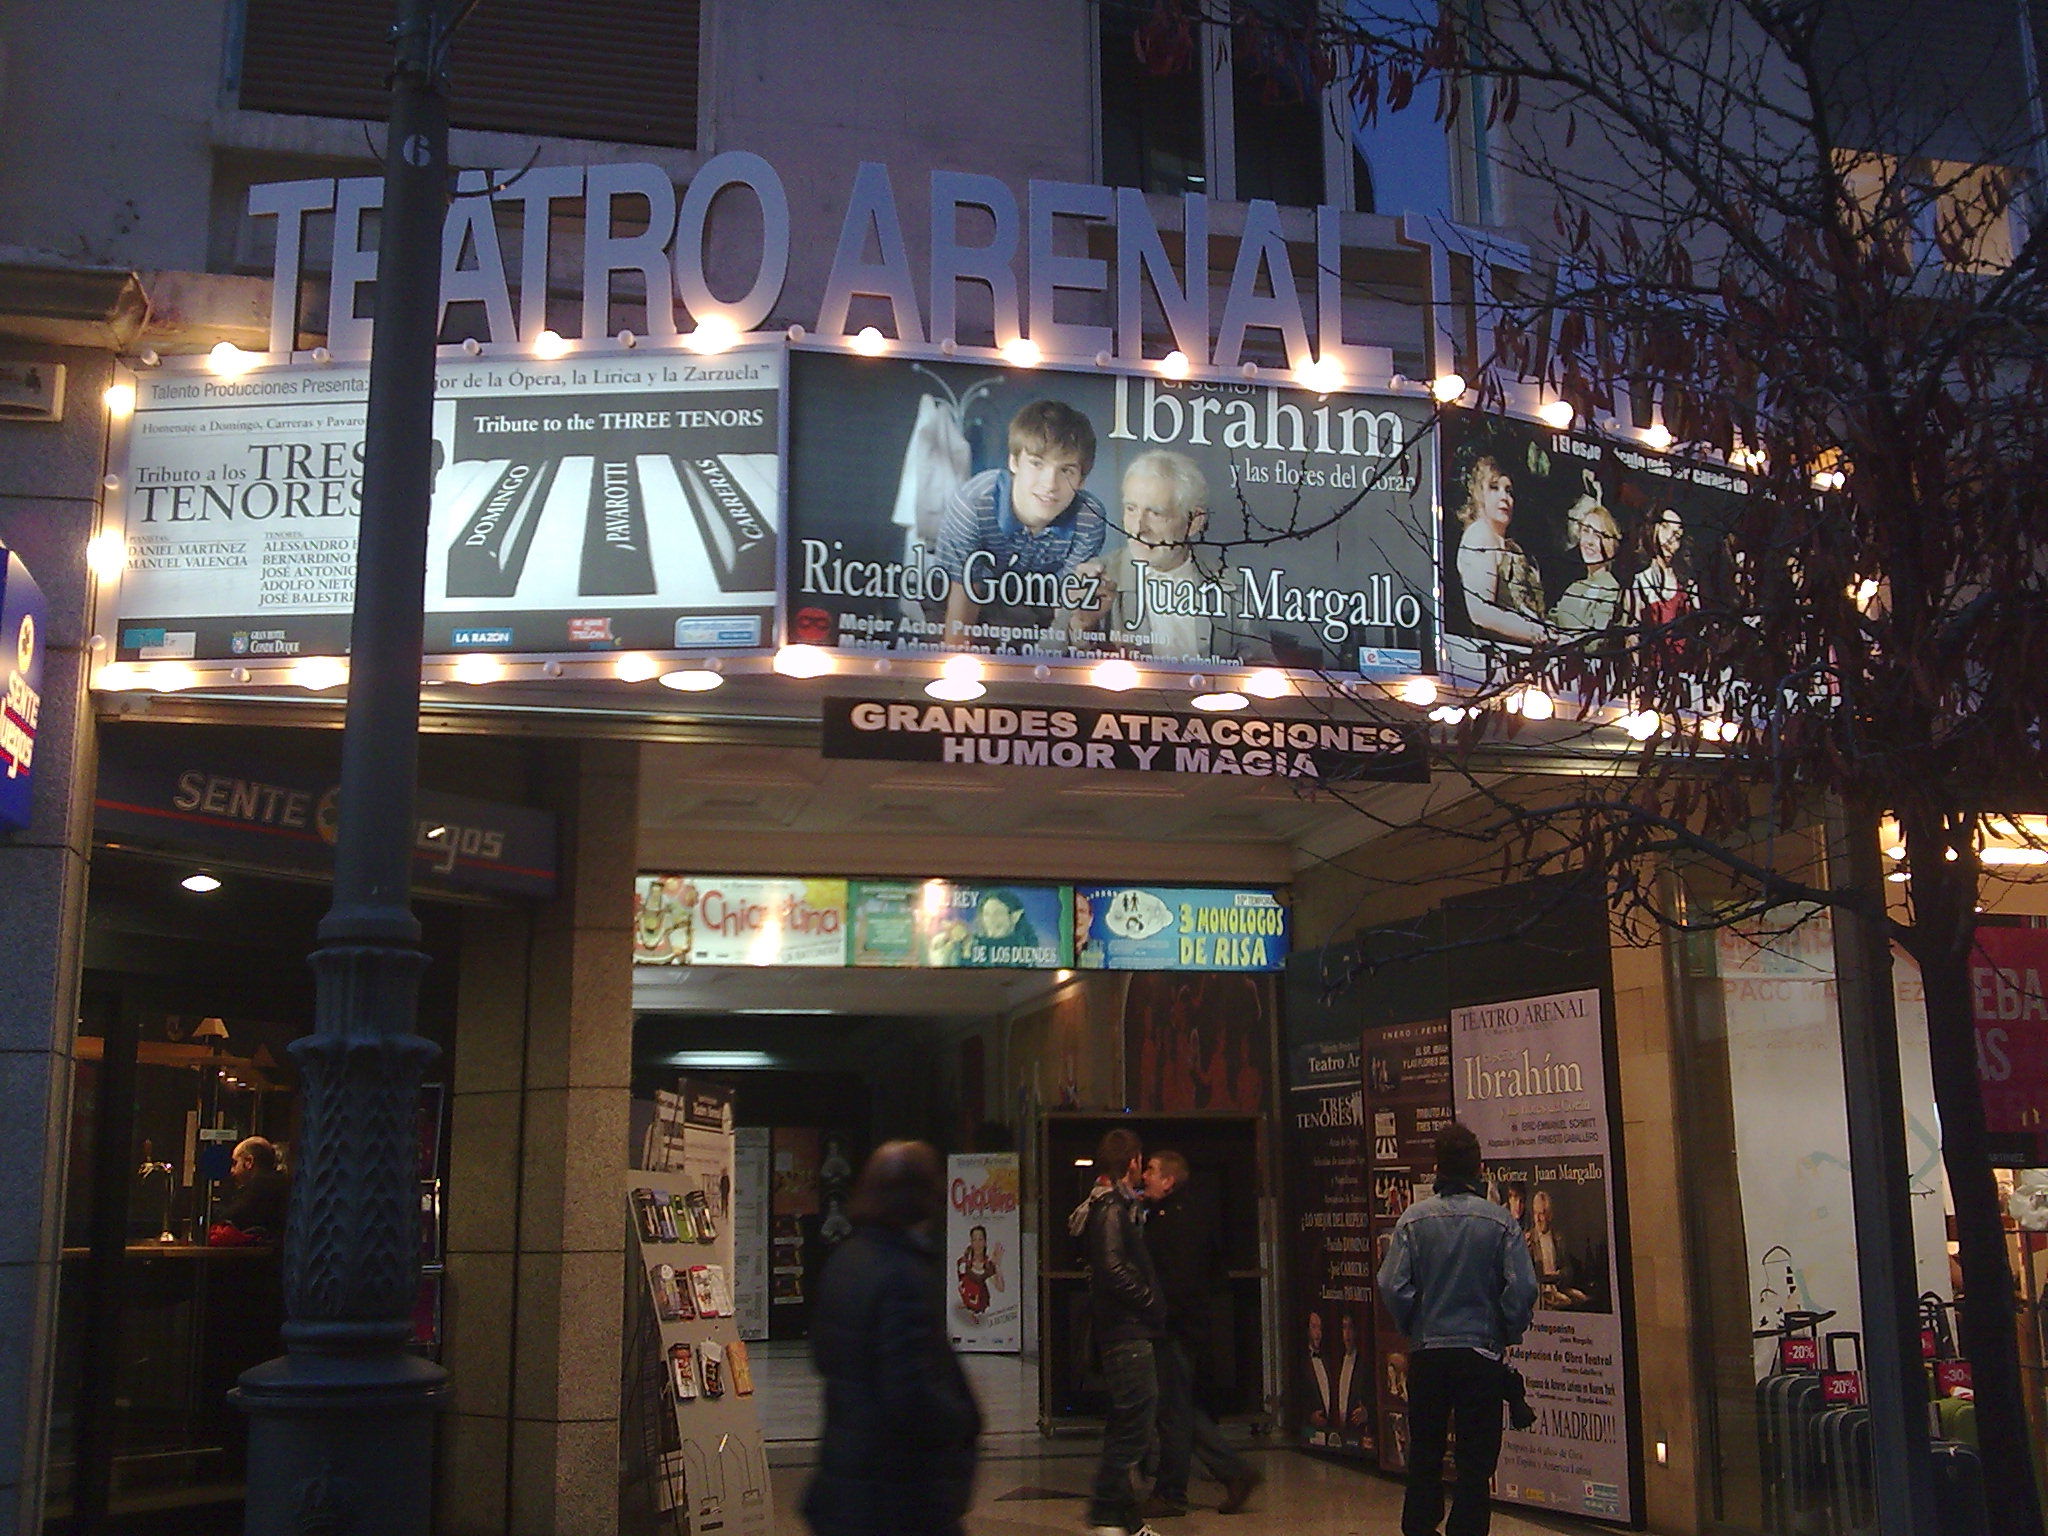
[1944, 924]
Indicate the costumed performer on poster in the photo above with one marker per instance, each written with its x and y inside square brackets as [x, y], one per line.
[1663, 590]
[979, 1271]
[1031, 519]
[1503, 592]
[902, 1428]
[1158, 597]
[1593, 602]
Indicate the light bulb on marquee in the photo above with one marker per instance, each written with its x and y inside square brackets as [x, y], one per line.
[634, 667]
[1557, 414]
[1023, 352]
[1268, 683]
[1419, 691]
[804, 661]
[1447, 388]
[869, 342]
[1114, 676]
[1175, 364]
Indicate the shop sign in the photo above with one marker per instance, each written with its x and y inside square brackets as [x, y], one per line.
[24, 630]
[952, 925]
[984, 1241]
[1165, 928]
[738, 920]
[275, 817]
[1529, 1076]
[623, 502]
[1074, 516]
[1555, 537]
[1127, 740]
[2009, 999]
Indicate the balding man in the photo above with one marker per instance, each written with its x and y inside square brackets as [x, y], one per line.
[262, 1190]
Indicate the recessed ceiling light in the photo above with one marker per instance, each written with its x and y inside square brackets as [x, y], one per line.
[202, 884]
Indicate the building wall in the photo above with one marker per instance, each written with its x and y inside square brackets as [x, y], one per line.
[49, 476]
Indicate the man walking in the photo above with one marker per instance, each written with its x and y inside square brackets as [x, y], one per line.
[1458, 1282]
[1185, 1237]
[1128, 1315]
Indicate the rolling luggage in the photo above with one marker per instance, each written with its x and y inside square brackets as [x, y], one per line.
[1959, 1506]
[1841, 1430]
[1784, 1401]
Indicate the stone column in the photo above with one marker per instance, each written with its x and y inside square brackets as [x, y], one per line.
[49, 493]
[543, 1078]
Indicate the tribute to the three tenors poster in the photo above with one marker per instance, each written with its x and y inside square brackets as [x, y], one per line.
[952, 506]
[1550, 537]
[1529, 1076]
[601, 503]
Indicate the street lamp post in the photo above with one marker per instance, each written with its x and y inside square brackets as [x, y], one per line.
[341, 1426]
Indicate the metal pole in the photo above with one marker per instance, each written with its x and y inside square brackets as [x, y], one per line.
[341, 1428]
[1887, 1285]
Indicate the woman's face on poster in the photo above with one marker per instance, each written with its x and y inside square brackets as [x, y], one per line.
[1670, 532]
[1493, 493]
[1596, 538]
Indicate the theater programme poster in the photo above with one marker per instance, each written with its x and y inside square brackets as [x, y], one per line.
[984, 1243]
[1329, 1371]
[1070, 516]
[1529, 1076]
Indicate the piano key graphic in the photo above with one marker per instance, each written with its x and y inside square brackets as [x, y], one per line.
[617, 561]
[489, 554]
[738, 536]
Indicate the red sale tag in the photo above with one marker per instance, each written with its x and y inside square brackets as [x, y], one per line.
[1929, 1346]
[1841, 1387]
[1797, 1354]
[1951, 1376]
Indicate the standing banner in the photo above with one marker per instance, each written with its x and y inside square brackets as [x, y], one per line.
[1329, 1373]
[1407, 1101]
[24, 625]
[711, 1463]
[592, 504]
[1530, 1078]
[750, 1179]
[955, 506]
[984, 1235]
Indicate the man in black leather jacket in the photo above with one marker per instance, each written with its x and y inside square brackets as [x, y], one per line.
[1128, 1313]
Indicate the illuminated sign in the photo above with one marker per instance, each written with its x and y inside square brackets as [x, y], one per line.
[24, 619]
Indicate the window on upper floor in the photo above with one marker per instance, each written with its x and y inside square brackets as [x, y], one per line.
[1935, 214]
[1230, 111]
[613, 70]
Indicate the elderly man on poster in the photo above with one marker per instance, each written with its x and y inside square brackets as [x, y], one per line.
[1458, 1282]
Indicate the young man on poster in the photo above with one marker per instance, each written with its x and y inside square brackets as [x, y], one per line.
[1129, 1315]
[1186, 1240]
[1459, 1284]
[1014, 541]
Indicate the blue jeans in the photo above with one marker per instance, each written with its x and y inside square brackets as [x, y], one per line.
[1446, 1386]
[1133, 1381]
[1185, 1429]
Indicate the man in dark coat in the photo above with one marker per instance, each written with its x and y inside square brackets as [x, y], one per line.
[901, 1424]
[1127, 1313]
[1184, 1233]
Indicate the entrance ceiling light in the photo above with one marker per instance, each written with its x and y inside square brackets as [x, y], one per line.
[693, 679]
[959, 680]
[1268, 683]
[1115, 675]
[804, 661]
[1222, 700]
[1419, 691]
[201, 884]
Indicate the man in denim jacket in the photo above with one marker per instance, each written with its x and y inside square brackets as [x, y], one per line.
[1459, 1283]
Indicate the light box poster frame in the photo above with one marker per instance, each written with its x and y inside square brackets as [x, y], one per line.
[751, 1159]
[861, 545]
[1533, 1078]
[680, 486]
[984, 1285]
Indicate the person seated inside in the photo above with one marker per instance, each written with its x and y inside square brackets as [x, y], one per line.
[254, 1213]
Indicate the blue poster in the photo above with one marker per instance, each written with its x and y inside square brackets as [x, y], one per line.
[973, 925]
[1163, 928]
[23, 619]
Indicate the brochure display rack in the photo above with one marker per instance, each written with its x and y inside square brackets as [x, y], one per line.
[1226, 1155]
[692, 1460]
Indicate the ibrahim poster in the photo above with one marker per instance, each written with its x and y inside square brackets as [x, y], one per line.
[594, 503]
[1550, 536]
[983, 1242]
[1530, 1078]
[1164, 928]
[1031, 511]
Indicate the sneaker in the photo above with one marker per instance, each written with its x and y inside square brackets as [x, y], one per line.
[1237, 1491]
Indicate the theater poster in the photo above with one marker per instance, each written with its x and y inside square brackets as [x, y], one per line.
[984, 1247]
[1529, 1076]
[590, 504]
[955, 506]
[1329, 1365]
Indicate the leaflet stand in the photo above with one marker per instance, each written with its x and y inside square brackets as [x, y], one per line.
[681, 1250]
